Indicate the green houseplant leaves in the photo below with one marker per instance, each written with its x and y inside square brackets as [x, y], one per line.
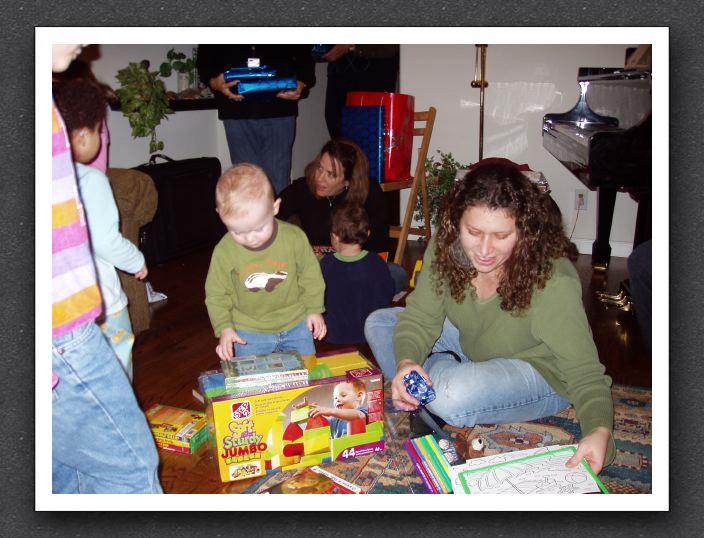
[440, 177]
[177, 61]
[143, 101]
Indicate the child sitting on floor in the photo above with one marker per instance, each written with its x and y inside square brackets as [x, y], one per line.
[357, 282]
[83, 107]
[264, 290]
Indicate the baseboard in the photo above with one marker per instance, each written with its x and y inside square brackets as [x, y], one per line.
[619, 249]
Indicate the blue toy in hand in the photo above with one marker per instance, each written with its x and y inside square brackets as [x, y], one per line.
[418, 388]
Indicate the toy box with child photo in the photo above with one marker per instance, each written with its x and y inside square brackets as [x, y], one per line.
[333, 418]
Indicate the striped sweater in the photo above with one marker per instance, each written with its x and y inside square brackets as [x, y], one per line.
[75, 293]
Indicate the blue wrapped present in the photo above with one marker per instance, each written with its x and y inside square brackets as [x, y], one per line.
[249, 73]
[364, 125]
[418, 388]
[264, 88]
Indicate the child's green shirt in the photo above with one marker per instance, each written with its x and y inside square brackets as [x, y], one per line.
[270, 289]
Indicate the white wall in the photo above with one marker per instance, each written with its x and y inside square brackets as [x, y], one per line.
[197, 133]
[311, 131]
[525, 83]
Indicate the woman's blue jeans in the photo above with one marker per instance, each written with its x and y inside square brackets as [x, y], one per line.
[101, 442]
[495, 391]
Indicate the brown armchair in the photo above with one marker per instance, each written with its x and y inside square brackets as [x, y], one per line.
[136, 199]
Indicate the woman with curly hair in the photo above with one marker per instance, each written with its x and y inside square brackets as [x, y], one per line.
[496, 324]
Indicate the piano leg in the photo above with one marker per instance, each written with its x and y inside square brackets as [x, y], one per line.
[601, 249]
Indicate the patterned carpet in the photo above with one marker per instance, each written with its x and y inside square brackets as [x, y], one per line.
[393, 472]
[631, 471]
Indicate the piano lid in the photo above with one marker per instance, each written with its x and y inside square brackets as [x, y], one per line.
[611, 101]
[624, 94]
[609, 96]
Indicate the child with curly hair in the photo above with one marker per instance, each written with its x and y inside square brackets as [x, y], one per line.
[83, 107]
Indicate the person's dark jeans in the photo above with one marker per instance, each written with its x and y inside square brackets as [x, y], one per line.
[640, 276]
[399, 276]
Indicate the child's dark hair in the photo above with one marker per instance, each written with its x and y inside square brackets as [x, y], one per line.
[81, 103]
[82, 70]
[350, 223]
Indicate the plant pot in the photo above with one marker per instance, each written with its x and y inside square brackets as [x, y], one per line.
[182, 82]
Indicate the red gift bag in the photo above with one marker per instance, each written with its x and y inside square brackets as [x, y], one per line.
[398, 129]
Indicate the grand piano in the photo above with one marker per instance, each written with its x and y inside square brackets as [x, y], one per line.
[606, 142]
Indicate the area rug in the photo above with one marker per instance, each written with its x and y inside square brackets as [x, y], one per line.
[392, 471]
[631, 471]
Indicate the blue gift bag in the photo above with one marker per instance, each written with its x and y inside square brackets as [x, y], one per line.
[364, 125]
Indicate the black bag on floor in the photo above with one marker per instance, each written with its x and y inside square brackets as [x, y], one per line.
[185, 218]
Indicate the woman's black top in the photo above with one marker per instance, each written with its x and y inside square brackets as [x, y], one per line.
[314, 213]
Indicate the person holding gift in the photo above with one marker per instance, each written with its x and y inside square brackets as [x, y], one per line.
[258, 131]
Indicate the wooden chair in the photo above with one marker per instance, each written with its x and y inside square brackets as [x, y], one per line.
[418, 182]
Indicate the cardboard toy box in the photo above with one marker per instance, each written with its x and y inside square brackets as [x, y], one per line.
[173, 428]
[298, 427]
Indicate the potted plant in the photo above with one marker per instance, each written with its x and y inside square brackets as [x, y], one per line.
[440, 177]
[143, 101]
[177, 61]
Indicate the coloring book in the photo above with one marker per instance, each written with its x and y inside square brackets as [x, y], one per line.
[534, 471]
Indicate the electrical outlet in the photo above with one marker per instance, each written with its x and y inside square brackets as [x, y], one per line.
[580, 199]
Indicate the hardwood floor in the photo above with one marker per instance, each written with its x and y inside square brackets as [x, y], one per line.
[180, 345]
[616, 333]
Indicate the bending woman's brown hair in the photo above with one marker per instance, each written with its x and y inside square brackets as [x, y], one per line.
[541, 238]
[355, 168]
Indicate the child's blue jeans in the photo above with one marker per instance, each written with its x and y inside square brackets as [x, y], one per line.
[298, 338]
[496, 391]
[117, 328]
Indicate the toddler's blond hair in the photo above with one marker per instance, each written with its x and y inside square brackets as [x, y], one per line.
[239, 186]
[357, 386]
